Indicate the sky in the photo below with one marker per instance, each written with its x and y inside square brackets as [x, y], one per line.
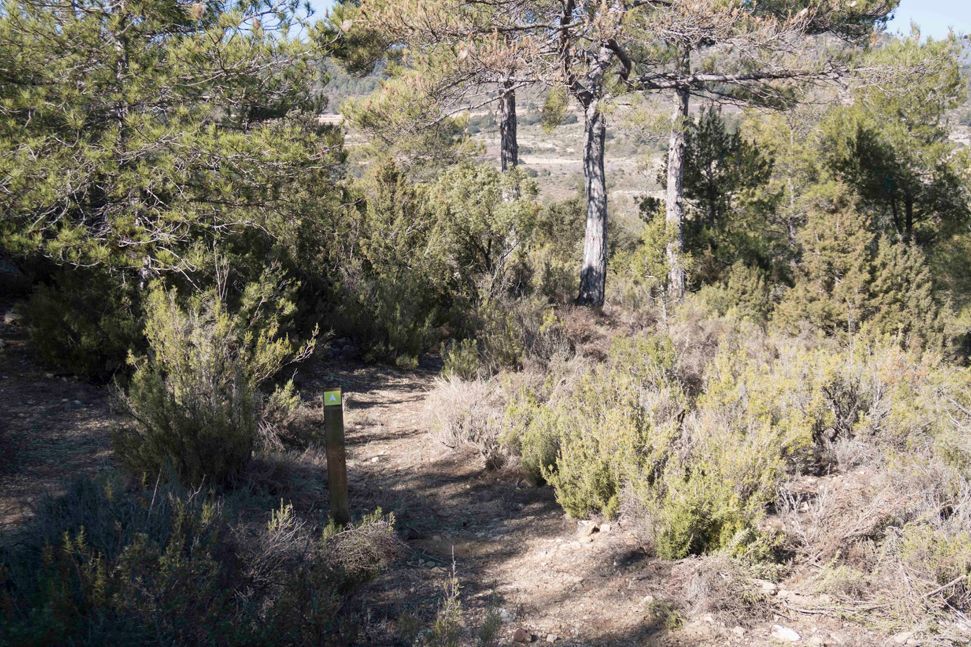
[933, 16]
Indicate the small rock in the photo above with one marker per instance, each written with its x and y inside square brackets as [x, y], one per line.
[647, 601]
[605, 527]
[902, 638]
[816, 641]
[710, 619]
[766, 587]
[785, 634]
[375, 459]
[552, 638]
[522, 636]
[738, 630]
[505, 614]
[587, 528]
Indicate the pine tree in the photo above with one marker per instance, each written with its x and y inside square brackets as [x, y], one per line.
[851, 279]
[742, 52]
[893, 144]
[832, 292]
[139, 134]
[903, 296]
[728, 203]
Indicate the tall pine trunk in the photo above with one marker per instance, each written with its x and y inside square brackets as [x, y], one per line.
[674, 202]
[593, 272]
[508, 142]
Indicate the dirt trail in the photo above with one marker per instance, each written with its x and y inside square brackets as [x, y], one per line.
[52, 428]
[514, 550]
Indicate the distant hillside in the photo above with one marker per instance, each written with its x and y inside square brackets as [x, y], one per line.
[342, 85]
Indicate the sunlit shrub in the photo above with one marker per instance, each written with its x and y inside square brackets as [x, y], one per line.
[468, 414]
[195, 400]
[591, 437]
[461, 359]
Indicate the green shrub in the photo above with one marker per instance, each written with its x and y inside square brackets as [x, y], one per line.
[513, 333]
[624, 420]
[114, 569]
[705, 469]
[195, 399]
[393, 318]
[461, 359]
[854, 281]
[552, 273]
[532, 432]
[605, 429]
[423, 258]
[84, 322]
[448, 627]
[944, 556]
[392, 283]
[744, 294]
[713, 495]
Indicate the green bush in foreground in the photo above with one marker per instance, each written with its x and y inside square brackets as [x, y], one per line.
[103, 566]
[703, 470]
[591, 438]
[195, 399]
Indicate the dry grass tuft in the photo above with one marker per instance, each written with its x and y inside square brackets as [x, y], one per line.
[468, 414]
[720, 586]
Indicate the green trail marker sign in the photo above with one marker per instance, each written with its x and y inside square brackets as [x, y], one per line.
[336, 456]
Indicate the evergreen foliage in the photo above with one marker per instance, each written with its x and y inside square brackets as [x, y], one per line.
[136, 134]
[107, 565]
[195, 399]
[84, 321]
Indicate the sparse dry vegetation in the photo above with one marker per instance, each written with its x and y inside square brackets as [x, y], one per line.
[107, 564]
[699, 378]
[468, 414]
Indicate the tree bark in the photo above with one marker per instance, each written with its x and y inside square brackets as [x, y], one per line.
[674, 204]
[593, 272]
[909, 216]
[508, 142]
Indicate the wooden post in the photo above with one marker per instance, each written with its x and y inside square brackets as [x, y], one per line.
[336, 456]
